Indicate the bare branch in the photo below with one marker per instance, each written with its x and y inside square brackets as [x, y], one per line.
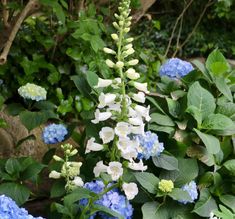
[32, 4]
[5, 14]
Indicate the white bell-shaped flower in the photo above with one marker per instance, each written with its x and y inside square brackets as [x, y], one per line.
[103, 83]
[137, 166]
[115, 170]
[101, 116]
[139, 97]
[99, 168]
[132, 74]
[106, 134]
[54, 174]
[143, 111]
[122, 129]
[130, 190]
[137, 121]
[106, 99]
[141, 86]
[77, 181]
[92, 146]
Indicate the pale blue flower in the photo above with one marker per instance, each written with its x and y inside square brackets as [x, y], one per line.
[112, 200]
[175, 68]
[54, 133]
[32, 92]
[191, 188]
[149, 145]
[10, 210]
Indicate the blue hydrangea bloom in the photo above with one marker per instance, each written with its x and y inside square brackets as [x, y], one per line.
[191, 188]
[149, 145]
[54, 133]
[10, 210]
[175, 68]
[112, 200]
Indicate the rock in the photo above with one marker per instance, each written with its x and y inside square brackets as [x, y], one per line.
[16, 131]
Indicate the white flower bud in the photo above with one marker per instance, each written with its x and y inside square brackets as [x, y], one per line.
[99, 168]
[128, 46]
[109, 63]
[129, 51]
[54, 174]
[73, 152]
[137, 166]
[139, 97]
[57, 158]
[115, 24]
[114, 36]
[133, 62]
[77, 181]
[127, 29]
[109, 51]
[129, 40]
[106, 99]
[116, 16]
[128, 24]
[132, 74]
[141, 86]
[130, 190]
[120, 64]
[121, 23]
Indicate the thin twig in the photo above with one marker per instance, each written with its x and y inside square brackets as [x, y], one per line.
[209, 3]
[32, 4]
[5, 14]
[156, 95]
[176, 23]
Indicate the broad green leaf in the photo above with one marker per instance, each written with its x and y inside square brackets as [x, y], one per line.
[173, 107]
[159, 128]
[108, 211]
[219, 124]
[45, 105]
[154, 102]
[222, 86]
[12, 166]
[161, 119]
[97, 43]
[202, 68]
[74, 53]
[229, 201]
[202, 99]
[58, 189]
[14, 109]
[148, 181]
[165, 162]
[92, 78]
[196, 113]
[81, 84]
[179, 195]
[230, 166]
[217, 64]
[211, 142]
[149, 210]
[205, 205]
[227, 109]
[32, 170]
[16, 191]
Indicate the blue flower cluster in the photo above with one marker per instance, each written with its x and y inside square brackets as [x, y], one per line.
[149, 145]
[191, 188]
[112, 200]
[54, 133]
[175, 68]
[9, 210]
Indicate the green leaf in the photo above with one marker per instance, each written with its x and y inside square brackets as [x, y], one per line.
[202, 68]
[16, 191]
[217, 64]
[196, 113]
[219, 124]
[211, 142]
[179, 195]
[92, 78]
[222, 86]
[166, 162]
[149, 210]
[97, 43]
[148, 180]
[230, 166]
[154, 102]
[74, 53]
[227, 109]
[229, 201]
[161, 119]
[12, 166]
[58, 189]
[201, 99]
[108, 211]
[32, 170]
[205, 205]
[173, 107]
[159, 128]
[45, 105]
[14, 109]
